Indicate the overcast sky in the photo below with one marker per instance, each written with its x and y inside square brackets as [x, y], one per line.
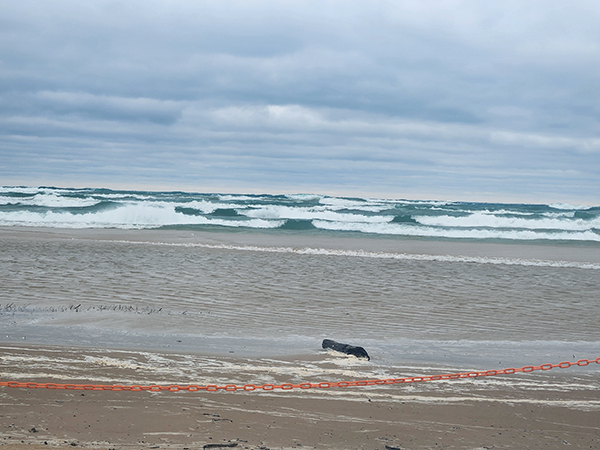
[458, 100]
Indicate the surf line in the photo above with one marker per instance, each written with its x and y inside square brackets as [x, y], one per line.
[377, 255]
[289, 386]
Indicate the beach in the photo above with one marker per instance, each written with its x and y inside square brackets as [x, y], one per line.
[164, 307]
[481, 414]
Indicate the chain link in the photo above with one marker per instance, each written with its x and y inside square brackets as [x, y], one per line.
[289, 386]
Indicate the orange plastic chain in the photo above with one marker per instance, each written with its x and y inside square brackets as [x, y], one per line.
[289, 386]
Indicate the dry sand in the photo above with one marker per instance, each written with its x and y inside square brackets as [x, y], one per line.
[387, 417]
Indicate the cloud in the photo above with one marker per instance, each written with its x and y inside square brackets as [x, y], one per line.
[445, 98]
[107, 107]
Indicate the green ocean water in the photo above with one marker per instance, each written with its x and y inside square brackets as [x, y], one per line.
[301, 213]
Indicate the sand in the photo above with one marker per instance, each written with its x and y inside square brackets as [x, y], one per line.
[539, 410]
[389, 417]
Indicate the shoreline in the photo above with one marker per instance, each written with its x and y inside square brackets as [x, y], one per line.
[522, 250]
[213, 327]
[55, 268]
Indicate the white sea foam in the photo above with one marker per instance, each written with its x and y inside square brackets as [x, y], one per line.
[207, 207]
[469, 233]
[238, 198]
[489, 220]
[285, 212]
[437, 203]
[303, 197]
[18, 189]
[526, 214]
[336, 204]
[112, 362]
[50, 200]
[128, 216]
[381, 255]
[568, 206]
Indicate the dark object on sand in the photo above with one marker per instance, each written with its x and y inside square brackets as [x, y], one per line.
[230, 444]
[359, 352]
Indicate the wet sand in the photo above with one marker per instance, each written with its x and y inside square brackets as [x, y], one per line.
[478, 416]
[536, 410]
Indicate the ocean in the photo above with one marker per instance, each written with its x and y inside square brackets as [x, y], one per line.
[104, 208]
[428, 284]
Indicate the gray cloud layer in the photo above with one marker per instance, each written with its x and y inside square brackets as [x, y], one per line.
[445, 99]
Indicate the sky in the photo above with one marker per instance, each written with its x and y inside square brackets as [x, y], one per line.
[450, 100]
